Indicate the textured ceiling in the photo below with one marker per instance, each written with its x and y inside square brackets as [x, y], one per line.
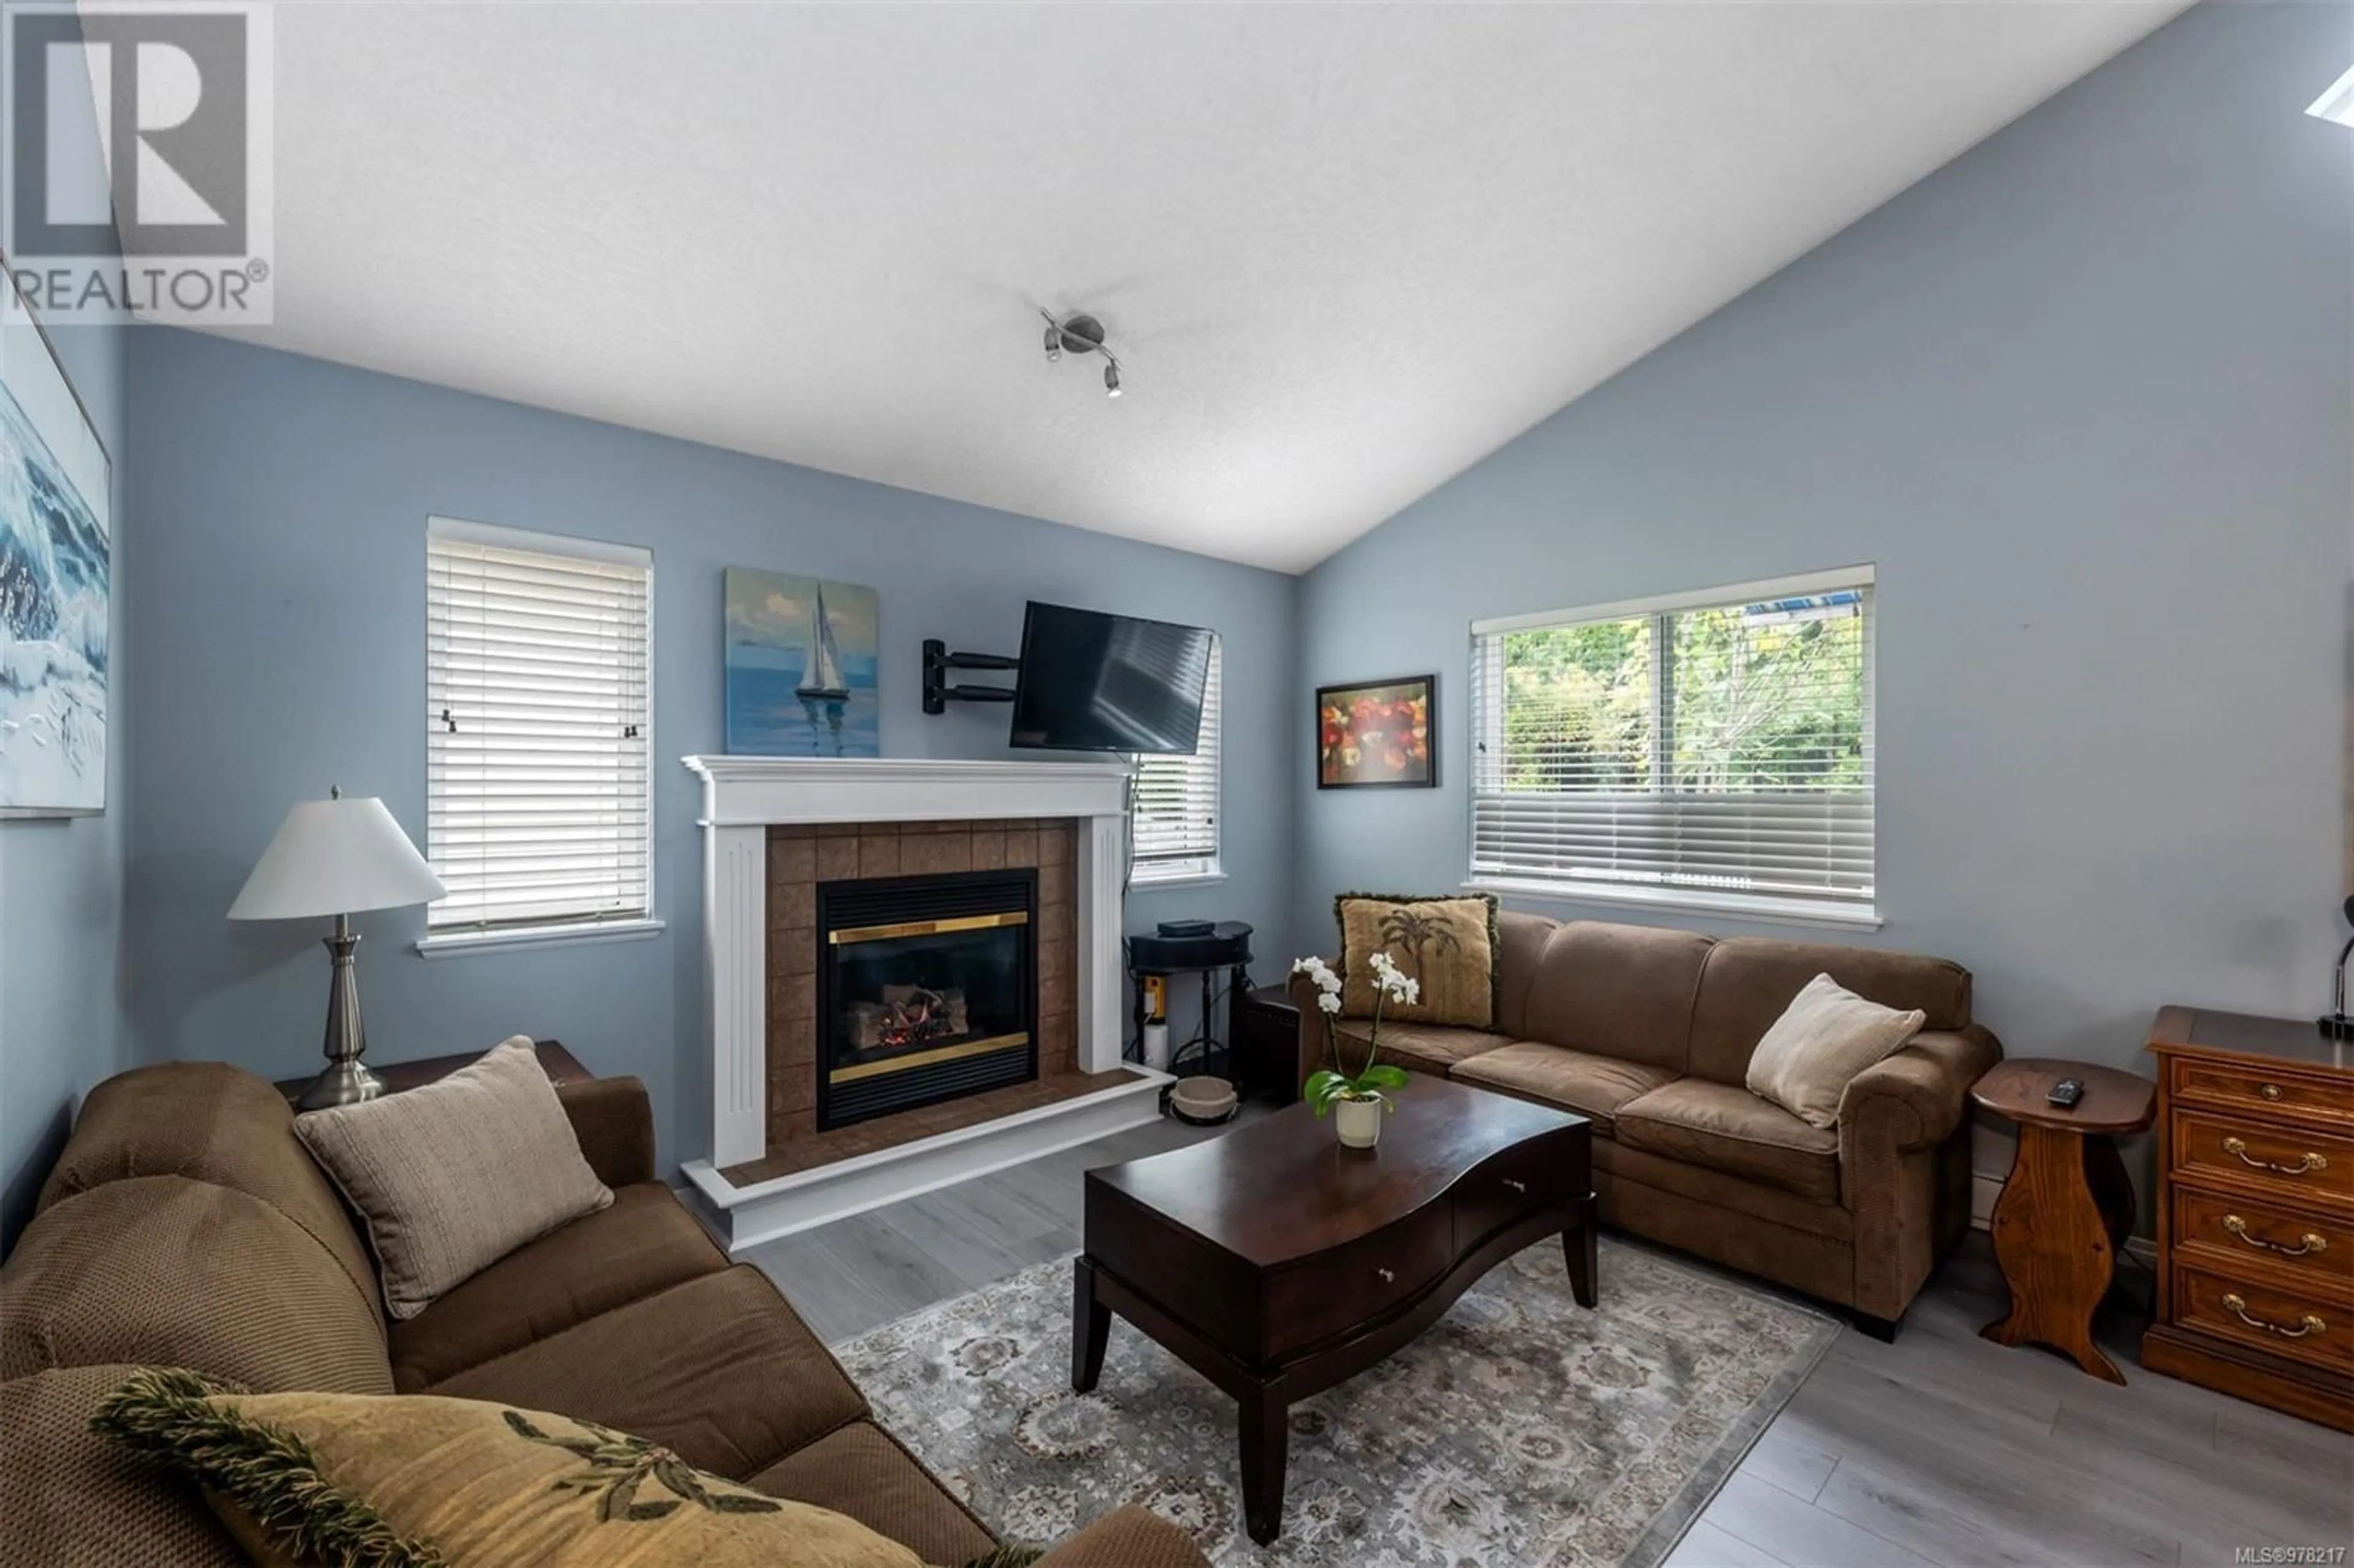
[1342, 251]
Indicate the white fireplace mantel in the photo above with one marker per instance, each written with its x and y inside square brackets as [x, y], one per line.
[743, 797]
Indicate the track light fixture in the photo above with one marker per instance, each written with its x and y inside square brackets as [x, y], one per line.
[1081, 334]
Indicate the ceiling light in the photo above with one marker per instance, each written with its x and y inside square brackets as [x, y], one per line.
[1081, 333]
[2338, 103]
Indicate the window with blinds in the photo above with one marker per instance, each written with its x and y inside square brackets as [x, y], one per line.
[1711, 749]
[1176, 817]
[538, 789]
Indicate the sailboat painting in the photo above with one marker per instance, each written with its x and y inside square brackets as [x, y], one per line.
[801, 667]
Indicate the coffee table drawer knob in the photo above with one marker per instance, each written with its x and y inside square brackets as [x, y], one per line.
[1516, 1185]
[1389, 1277]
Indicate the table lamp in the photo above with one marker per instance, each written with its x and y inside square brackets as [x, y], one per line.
[337, 857]
[2337, 1025]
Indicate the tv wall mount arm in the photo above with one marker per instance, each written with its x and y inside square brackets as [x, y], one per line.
[939, 662]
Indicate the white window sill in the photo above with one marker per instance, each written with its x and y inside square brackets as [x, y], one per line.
[462, 944]
[1191, 879]
[1743, 906]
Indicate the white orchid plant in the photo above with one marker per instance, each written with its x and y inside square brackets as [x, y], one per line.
[1390, 984]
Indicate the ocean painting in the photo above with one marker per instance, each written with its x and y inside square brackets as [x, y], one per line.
[801, 658]
[55, 583]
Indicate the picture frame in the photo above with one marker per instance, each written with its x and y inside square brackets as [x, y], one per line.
[1378, 734]
[57, 482]
[802, 662]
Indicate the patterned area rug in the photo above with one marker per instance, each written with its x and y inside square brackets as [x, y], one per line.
[1520, 1431]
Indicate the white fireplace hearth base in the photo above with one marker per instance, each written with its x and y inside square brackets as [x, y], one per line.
[742, 1217]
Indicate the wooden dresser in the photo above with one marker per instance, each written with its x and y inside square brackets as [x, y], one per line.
[2255, 1211]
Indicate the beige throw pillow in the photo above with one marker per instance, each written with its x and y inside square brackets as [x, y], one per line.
[454, 1176]
[1448, 943]
[1824, 1038]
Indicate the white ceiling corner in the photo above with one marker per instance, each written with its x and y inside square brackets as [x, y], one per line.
[1342, 251]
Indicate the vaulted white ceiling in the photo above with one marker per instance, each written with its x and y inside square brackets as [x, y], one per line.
[1343, 251]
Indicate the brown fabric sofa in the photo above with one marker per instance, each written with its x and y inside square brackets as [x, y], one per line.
[186, 1225]
[1647, 1031]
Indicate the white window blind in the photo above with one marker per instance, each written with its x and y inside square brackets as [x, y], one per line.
[1176, 815]
[1712, 749]
[538, 652]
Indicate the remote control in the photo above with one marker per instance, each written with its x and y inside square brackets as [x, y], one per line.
[2066, 1092]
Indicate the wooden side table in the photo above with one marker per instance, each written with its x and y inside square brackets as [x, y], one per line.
[562, 1067]
[2067, 1206]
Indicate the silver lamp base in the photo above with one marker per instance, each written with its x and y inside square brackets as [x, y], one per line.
[347, 1080]
[342, 1083]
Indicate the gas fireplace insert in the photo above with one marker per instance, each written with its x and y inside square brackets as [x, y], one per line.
[928, 990]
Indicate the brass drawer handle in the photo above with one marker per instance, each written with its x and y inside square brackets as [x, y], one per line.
[1517, 1186]
[2309, 1242]
[2310, 1325]
[1388, 1277]
[2304, 1163]
[2270, 1091]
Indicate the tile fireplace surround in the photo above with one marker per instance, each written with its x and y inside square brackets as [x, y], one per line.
[773, 829]
[804, 854]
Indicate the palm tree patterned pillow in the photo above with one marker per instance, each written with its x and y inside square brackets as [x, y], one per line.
[1448, 943]
[420, 1481]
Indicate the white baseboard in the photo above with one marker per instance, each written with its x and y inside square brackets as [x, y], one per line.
[1986, 1189]
[742, 1217]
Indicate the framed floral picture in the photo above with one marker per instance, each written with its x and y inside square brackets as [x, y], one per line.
[1377, 735]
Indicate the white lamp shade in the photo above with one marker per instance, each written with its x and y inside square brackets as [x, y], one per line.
[335, 857]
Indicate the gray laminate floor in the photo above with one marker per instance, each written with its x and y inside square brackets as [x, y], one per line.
[1941, 1448]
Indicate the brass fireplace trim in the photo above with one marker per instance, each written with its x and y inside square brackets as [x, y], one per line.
[926, 927]
[925, 1058]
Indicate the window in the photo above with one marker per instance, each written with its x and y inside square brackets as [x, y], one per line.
[1176, 815]
[1710, 749]
[538, 784]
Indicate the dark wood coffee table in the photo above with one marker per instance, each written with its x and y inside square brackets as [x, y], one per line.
[1275, 1263]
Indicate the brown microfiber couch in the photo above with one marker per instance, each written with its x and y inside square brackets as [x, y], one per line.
[186, 1225]
[1647, 1031]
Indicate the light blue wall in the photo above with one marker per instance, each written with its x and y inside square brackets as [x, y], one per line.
[280, 603]
[2083, 398]
[61, 1024]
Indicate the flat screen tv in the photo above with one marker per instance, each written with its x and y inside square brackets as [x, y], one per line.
[1092, 682]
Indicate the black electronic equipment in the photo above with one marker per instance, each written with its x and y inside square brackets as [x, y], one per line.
[1225, 946]
[1185, 927]
[1092, 682]
[2066, 1092]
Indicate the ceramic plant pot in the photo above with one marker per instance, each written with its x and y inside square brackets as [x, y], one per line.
[1358, 1122]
